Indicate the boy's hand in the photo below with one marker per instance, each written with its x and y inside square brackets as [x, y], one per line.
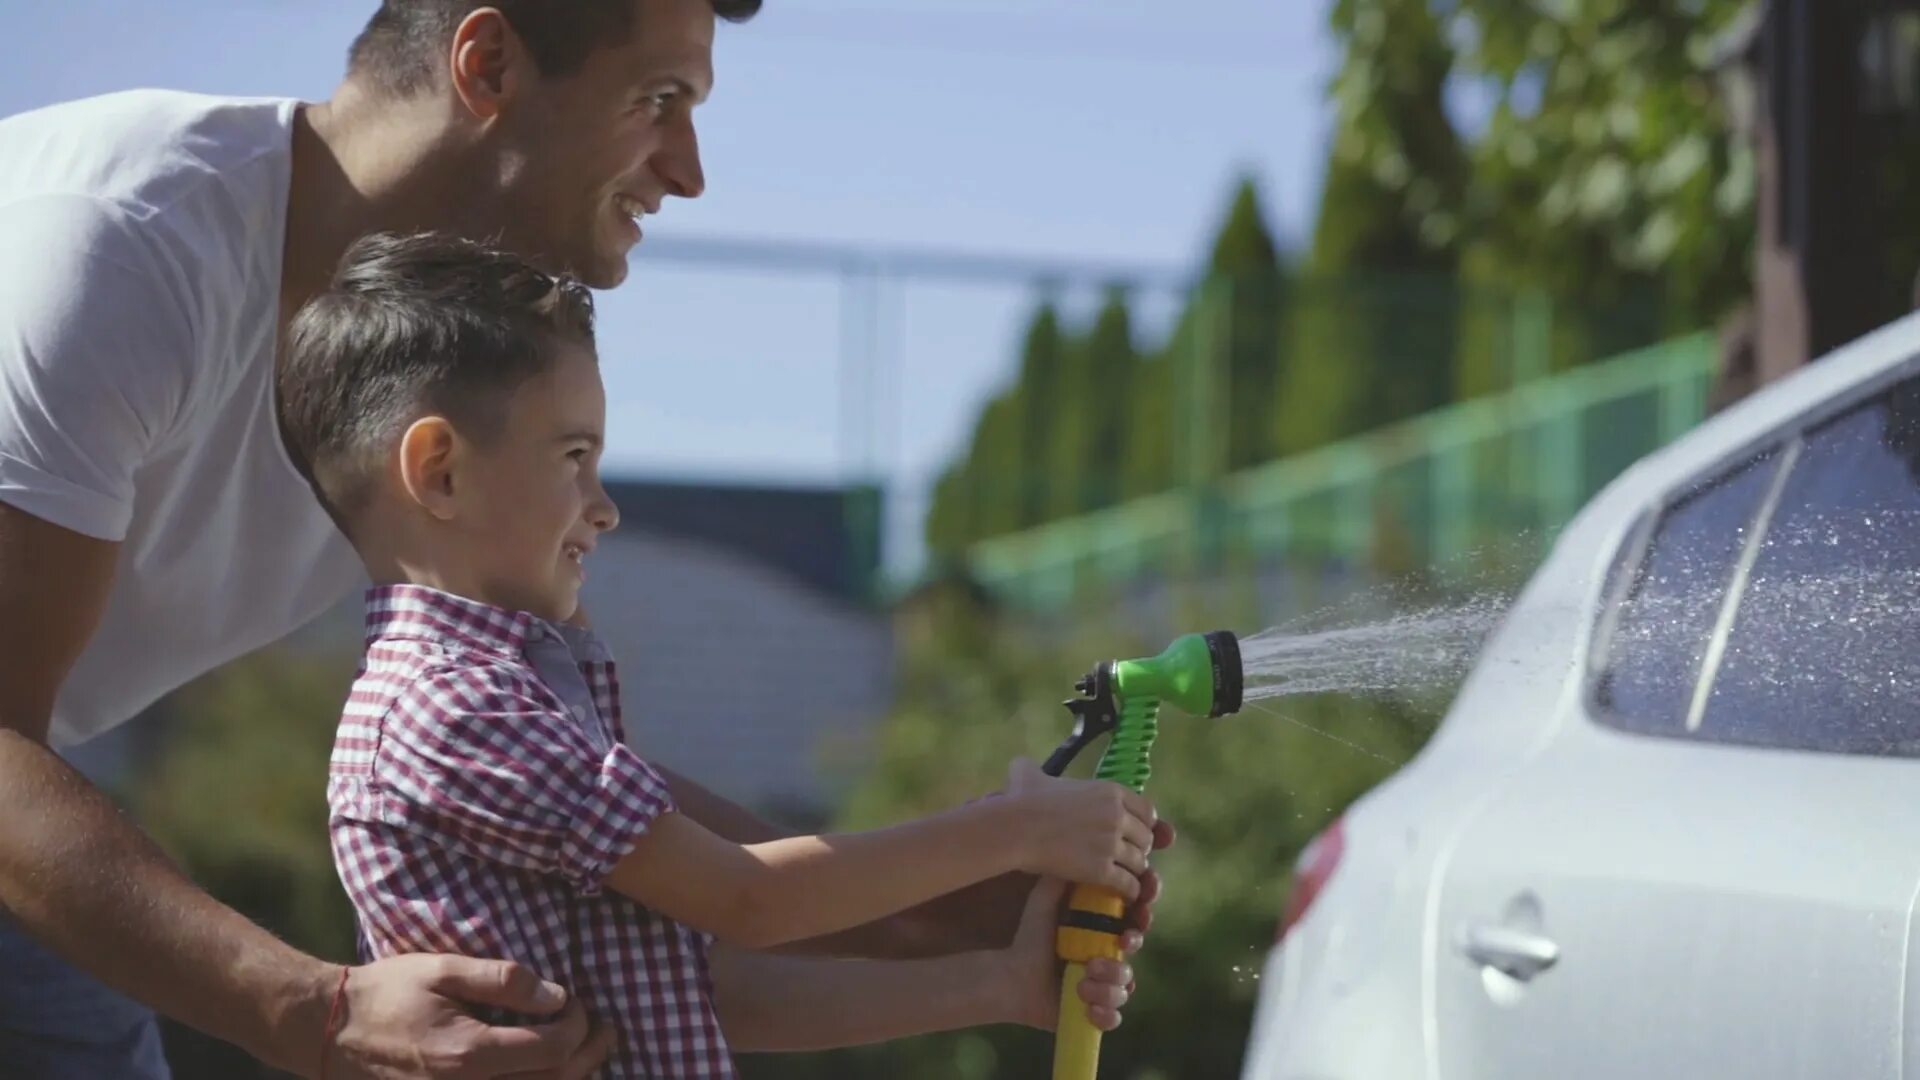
[1094, 832]
[1034, 969]
[407, 1016]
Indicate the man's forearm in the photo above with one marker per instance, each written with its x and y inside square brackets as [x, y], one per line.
[720, 815]
[981, 916]
[86, 883]
[770, 1003]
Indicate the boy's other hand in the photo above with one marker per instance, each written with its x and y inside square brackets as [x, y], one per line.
[1091, 831]
[1034, 968]
[411, 1017]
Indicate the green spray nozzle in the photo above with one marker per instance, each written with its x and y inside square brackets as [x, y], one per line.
[1199, 674]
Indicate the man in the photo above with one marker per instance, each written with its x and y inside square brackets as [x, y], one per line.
[152, 525]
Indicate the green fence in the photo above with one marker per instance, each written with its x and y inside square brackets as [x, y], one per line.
[1419, 493]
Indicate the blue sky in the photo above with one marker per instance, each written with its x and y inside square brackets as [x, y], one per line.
[1099, 133]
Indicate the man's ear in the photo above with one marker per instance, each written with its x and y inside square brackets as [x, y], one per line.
[428, 453]
[488, 62]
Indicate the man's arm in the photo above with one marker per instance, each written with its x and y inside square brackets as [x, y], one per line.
[718, 814]
[82, 880]
[769, 1003]
[791, 1004]
[72, 870]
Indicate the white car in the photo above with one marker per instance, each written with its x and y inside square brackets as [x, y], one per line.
[1671, 825]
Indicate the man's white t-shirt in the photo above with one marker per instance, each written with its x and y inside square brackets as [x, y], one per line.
[140, 257]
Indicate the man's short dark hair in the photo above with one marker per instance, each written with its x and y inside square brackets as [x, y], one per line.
[403, 45]
[415, 325]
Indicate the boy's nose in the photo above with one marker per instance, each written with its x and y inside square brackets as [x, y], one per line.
[602, 514]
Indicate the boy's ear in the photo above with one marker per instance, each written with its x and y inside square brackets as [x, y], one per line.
[427, 455]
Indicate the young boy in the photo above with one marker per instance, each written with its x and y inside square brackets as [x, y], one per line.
[445, 402]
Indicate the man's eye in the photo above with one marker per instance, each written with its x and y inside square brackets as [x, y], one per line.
[579, 454]
[661, 100]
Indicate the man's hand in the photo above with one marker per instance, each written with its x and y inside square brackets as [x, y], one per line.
[993, 910]
[408, 1018]
[1140, 914]
[1033, 969]
[1108, 985]
[772, 1003]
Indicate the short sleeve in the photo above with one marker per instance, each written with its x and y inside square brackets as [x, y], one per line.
[483, 763]
[96, 351]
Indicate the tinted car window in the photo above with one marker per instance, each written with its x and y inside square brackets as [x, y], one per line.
[1655, 653]
[1824, 652]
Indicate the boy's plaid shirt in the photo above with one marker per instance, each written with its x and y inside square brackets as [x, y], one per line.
[481, 790]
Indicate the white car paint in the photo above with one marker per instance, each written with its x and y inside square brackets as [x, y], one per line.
[1691, 909]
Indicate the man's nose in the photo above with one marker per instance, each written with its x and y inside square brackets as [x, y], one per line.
[677, 162]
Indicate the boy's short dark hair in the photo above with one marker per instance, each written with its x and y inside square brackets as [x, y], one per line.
[402, 45]
[415, 325]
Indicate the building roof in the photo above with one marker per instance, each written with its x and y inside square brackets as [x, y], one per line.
[826, 538]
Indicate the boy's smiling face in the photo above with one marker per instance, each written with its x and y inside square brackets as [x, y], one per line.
[527, 505]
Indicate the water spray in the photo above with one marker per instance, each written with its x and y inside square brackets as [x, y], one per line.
[1199, 674]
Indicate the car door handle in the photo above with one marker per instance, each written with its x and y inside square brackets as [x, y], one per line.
[1520, 954]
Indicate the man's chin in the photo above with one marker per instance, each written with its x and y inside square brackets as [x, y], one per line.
[603, 271]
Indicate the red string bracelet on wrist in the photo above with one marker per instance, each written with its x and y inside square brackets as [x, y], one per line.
[333, 1019]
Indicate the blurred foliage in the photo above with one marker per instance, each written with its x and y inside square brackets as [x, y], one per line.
[1090, 438]
[1246, 265]
[1146, 462]
[1045, 377]
[1092, 418]
[1511, 189]
[1610, 161]
[237, 795]
[1373, 329]
[1397, 172]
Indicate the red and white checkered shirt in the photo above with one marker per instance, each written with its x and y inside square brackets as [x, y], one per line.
[480, 792]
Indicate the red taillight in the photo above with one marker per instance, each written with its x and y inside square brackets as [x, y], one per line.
[1310, 873]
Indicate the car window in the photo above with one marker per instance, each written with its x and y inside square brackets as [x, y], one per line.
[1824, 648]
[1656, 649]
